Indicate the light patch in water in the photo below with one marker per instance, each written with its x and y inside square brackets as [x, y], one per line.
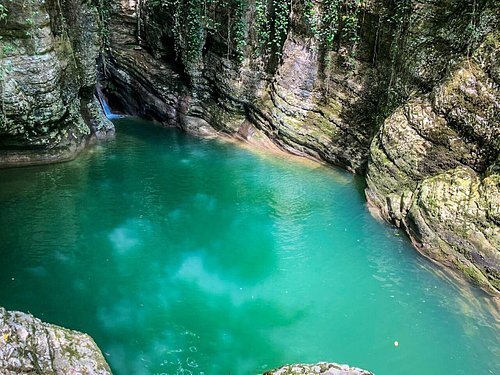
[205, 201]
[118, 315]
[175, 214]
[38, 271]
[128, 236]
[194, 271]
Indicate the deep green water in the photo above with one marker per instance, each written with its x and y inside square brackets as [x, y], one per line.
[181, 255]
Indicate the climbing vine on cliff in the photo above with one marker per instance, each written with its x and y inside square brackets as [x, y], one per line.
[191, 22]
[226, 26]
[3, 12]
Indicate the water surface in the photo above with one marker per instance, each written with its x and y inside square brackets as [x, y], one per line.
[182, 255]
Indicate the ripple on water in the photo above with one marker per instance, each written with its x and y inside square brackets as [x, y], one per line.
[181, 255]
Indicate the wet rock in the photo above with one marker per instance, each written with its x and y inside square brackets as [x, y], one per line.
[454, 217]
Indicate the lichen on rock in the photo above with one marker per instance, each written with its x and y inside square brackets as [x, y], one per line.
[433, 168]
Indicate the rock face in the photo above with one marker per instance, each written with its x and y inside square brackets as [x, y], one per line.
[434, 165]
[48, 76]
[29, 346]
[416, 108]
[319, 368]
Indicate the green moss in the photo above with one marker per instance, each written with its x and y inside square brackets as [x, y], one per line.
[471, 272]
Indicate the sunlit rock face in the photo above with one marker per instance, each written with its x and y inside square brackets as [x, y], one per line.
[29, 346]
[48, 73]
[419, 100]
[433, 168]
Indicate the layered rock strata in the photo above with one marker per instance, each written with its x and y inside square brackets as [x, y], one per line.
[48, 75]
[434, 168]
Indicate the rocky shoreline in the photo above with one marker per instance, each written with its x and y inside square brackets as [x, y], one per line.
[30, 346]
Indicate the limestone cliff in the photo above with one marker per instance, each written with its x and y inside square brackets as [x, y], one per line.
[29, 346]
[433, 167]
[415, 107]
[48, 75]
[304, 107]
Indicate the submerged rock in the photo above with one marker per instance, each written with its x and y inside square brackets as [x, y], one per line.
[318, 368]
[30, 346]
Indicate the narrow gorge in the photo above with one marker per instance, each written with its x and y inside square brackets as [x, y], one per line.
[404, 94]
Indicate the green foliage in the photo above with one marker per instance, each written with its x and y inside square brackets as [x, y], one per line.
[3, 12]
[8, 48]
[311, 16]
[263, 27]
[102, 8]
[280, 24]
[329, 22]
[272, 21]
[191, 22]
[339, 20]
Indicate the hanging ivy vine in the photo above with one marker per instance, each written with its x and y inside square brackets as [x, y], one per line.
[333, 21]
[191, 22]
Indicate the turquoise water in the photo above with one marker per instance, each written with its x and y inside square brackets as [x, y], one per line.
[182, 255]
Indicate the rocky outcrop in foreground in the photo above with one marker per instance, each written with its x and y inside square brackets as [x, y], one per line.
[318, 368]
[30, 346]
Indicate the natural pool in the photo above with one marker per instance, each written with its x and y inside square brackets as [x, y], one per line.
[181, 255]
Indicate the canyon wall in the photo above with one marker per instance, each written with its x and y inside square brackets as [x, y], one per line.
[412, 103]
[48, 75]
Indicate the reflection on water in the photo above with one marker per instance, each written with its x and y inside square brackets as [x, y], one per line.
[188, 256]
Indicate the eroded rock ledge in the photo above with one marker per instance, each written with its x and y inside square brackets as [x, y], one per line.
[30, 346]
